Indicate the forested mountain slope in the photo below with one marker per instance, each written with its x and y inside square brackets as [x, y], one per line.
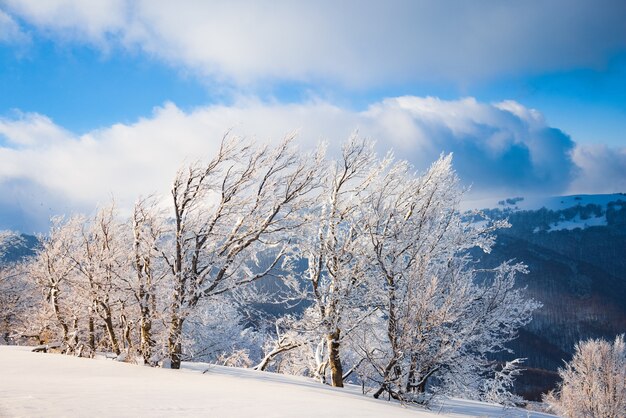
[575, 249]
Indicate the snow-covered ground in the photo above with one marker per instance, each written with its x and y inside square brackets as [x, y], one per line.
[53, 385]
[577, 222]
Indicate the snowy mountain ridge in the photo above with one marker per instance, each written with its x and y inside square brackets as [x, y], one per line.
[561, 212]
[553, 203]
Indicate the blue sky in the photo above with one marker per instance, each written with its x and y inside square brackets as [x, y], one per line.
[530, 96]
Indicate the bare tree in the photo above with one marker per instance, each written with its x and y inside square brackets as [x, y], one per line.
[148, 228]
[79, 269]
[225, 214]
[17, 298]
[99, 261]
[441, 319]
[334, 250]
[52, 270]
[10, 288]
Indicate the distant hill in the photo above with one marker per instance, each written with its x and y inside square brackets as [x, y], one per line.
[575, 248]
[15, 246]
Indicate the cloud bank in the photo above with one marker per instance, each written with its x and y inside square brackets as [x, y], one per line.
[604, 169]
[357, 43]
[500, 149]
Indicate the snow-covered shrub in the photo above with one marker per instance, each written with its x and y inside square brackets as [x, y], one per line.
[594, 381]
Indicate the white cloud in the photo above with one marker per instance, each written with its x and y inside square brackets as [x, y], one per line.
[603, 169]
[357, 43]
[500, 148]
[79, 20]
[27, 130]
[10, 31]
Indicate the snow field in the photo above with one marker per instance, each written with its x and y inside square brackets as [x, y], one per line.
[54, 385]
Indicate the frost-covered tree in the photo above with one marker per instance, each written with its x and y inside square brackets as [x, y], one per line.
[497, 389]
[9, 289]
[216, 332]
[99, 261]
[593, 382]
[334, 250]
[147, 271]
[16, 293]
[52, 270]
[285, 340]
[79, 268]
[441, 318]
[393, 283]
[226, 213]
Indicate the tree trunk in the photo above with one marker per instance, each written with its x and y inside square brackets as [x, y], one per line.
[127, 340]
[91, 342]
[385, 386]
[421, 387]
[334, 360]
[108, 322]
[57, 312]
[176, 325]
[146, 343]
[174, 341]
[74, 339]
[410, 382]
[392, 371]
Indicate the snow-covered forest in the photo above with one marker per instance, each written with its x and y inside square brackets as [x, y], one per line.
[354, 269]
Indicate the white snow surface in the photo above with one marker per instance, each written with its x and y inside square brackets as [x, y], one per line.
[54, 385]
[537, 202]
[577, 222]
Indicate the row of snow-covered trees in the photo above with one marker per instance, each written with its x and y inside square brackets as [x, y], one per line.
[371, 260]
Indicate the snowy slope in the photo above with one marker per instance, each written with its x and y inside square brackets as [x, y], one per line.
[554, 203]
[575, 211]
[52, 385]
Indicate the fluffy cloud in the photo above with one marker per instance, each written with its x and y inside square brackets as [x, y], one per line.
[603, 169]
[500, 149]
[358, 43]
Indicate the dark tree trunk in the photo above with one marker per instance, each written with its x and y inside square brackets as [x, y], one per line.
[91, 342]
[174, 342]
[105, 314]
[392, 371]
[146, 343]
[54, 301]
[74, 340]
[108, 322]
[410, 382]
[334, 360]
[421, 387]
